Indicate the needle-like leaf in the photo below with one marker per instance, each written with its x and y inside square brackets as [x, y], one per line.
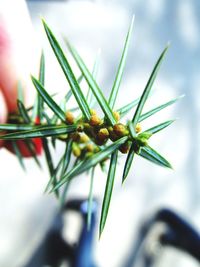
[48, 99]
[93, 85]
[128, 163]
[39, 103]
[68, 72]
[30, 146]
[40, 131]
[94, 75]
[18, 154]
[20, 93]
[150, 154]
[159, 127]
[66, 157]
[90, 200]
[66, 188]
[120, 71]
[157, 109]
[54, 173]
[147, 89]
[131, 129]
[42, 69]
[16, 127]
[108, 191]
[91, 162]
[23, 112]
[50, 165]
[125, 109]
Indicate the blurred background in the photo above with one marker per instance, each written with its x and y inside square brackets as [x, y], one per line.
[92, 25]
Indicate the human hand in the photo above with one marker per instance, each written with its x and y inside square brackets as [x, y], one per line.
[17, 60]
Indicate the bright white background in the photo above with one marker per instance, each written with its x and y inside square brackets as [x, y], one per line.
[25, 211]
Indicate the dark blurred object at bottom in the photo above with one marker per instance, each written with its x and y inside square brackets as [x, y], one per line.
[54, 250]
[175, 232]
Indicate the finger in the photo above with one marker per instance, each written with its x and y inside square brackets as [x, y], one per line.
[8, 75]
[3, 112]
[19, 52]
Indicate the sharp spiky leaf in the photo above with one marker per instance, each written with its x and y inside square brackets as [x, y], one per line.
[42, 69]
[128, 163]
[66, 157]
[66, 188]
[159, 108]
[50, 165]
[94, 75]
[125, 109]
[54, 172]
[159, 127]
[150, 154]
[118, 78]
[48, 99]
[147, 89]
[68, 96]
[92, 161]
[31, 148]
[20, 93]
[68, 72]
[93, 85]
[39, 103]
[90, 200]
[40, 131]
[131, 129]
[23, 112]
[108, 191]
[18, 154]
[16, 127]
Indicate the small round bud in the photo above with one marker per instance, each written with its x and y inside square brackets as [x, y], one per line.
[112, 134]
[120, 129]
[75, 136]
[103, 134]
[95, 120]
[88, 154]
[90, 148]
[99, 142]
[80, 128]
[89, 130]
[138, 128]
[84, 138]
[69, 117]
[136, 146]
[116, 115]
[63, 137]
[124, 148]
[96, 149]
[76, 151]
[93, 112]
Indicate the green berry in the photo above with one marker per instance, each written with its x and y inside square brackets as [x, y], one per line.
[76, 150]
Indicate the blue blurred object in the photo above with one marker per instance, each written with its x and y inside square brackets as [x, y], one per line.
[54, 249]
[178, 234]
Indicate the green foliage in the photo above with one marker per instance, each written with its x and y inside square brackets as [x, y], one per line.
[89, 140]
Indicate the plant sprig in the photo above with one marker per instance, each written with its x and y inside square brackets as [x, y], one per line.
[89, 140]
